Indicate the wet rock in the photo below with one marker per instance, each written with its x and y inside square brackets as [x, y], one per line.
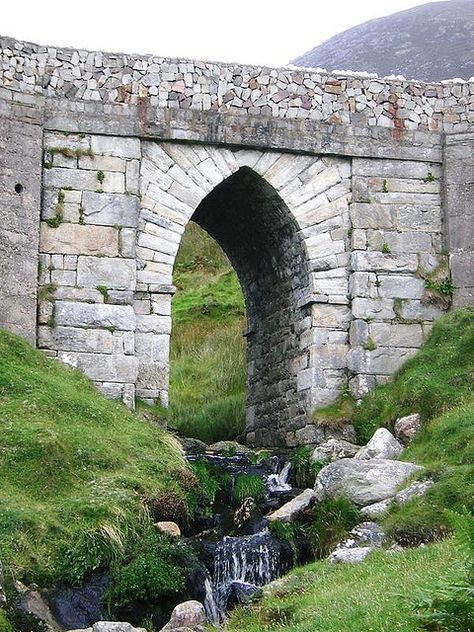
[3, 599]
[383, 445]
[32, 602]
[79, 606]
[241, 592]
[193, 446]
[350, 556]
[407, 427]
[189, 614]
[290, 510]
[168, 527]
[110, 626]
[334, 449]
[415, 490]
[229, 448]
[363, 482]
[376, 509]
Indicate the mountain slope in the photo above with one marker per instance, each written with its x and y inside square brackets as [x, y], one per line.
[430, 42]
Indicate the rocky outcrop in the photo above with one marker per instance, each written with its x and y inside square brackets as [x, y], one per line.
[290, 510]
[363, 482]
[382, 445]
[189, 615]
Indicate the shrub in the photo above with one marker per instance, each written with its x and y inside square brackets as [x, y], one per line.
[331, 520]
[156, 569]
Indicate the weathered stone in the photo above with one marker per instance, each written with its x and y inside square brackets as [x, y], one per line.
[75, 314]
[226, 447]
[382, 445]
[188, 614]
[169, 528]
[114, 626]
[407, 427]
[193, 446]
[110, 209]
[415, 490]
[107, 368]
[363, 482]
[368, 533]
[334, 449]
[75, 339]
[109, 272]
[376, 510]
[350, 556]
[293, 508]
[78, 239]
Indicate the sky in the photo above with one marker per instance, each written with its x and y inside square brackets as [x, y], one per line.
[259, 32]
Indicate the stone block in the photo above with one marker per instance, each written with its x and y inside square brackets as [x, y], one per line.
[386, 360]
[102, 163]
[103, 368]
[79, 179]
[396, 335]
[406, 242]
[371, 215]
[374, 308]
[372, 261]
[127, 242]
[395, 286]
[75, 314]
[363, 284]
[153, 348]
[331, 316]
[116, 146]
[110, 209]
[358, 333]
[75, 339]
[417, 310]
[78, 239]
[419, 218]
[63, 277]
[110, 272]
[153, 323]
[330, 356]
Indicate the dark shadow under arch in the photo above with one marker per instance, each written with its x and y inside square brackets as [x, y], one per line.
[255, 228]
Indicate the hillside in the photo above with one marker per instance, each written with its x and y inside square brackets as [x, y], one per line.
[430, 42]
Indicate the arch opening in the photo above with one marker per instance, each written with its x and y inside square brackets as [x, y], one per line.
[250, 221]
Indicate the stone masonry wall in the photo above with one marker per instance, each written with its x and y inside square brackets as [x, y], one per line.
[362, 100]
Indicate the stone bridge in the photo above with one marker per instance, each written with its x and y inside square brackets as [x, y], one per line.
[343, 201]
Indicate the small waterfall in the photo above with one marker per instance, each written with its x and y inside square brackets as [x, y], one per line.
[210, 604]
[244, 562]
[279, 482]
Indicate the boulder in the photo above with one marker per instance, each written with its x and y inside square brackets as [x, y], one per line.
[241, 592]
[415, 490]
[193, 446]
[115, 626]
[189, 614]
[376, 509]
[3, 598]
[407, 427]
[334, 449]
[290, 510]
[363, 482]
[229, 448]
[32, 602]
[168, 527]
[383, 445]
[350, 556]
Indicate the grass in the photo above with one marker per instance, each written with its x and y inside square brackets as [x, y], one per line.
[208, 358]
[377, 595]
[76, 469]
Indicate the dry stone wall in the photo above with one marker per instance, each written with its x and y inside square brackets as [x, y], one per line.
[345, 98]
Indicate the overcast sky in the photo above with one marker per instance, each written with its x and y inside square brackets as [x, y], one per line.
[247, 31]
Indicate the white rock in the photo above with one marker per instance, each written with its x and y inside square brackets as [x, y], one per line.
[334, 449]
[363, 482]
[383, 445]
[188, 614]
[376, 509]
[350, 556]
[289, 511]
[407, 427]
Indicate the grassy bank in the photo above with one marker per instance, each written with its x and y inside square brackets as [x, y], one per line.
[77, 471]
[378, 595]
[208, 360]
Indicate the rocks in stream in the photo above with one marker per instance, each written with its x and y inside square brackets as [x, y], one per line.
[111, 626]
[193, 446]
[382, 445]
[189, 615]
[363, 482]
[229, 448]
[292, 509]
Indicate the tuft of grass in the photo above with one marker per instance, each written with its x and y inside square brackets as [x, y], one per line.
[248, 486]
[74, 468]
[331, 520]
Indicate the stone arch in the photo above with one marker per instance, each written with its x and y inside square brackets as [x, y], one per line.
[283, 221]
